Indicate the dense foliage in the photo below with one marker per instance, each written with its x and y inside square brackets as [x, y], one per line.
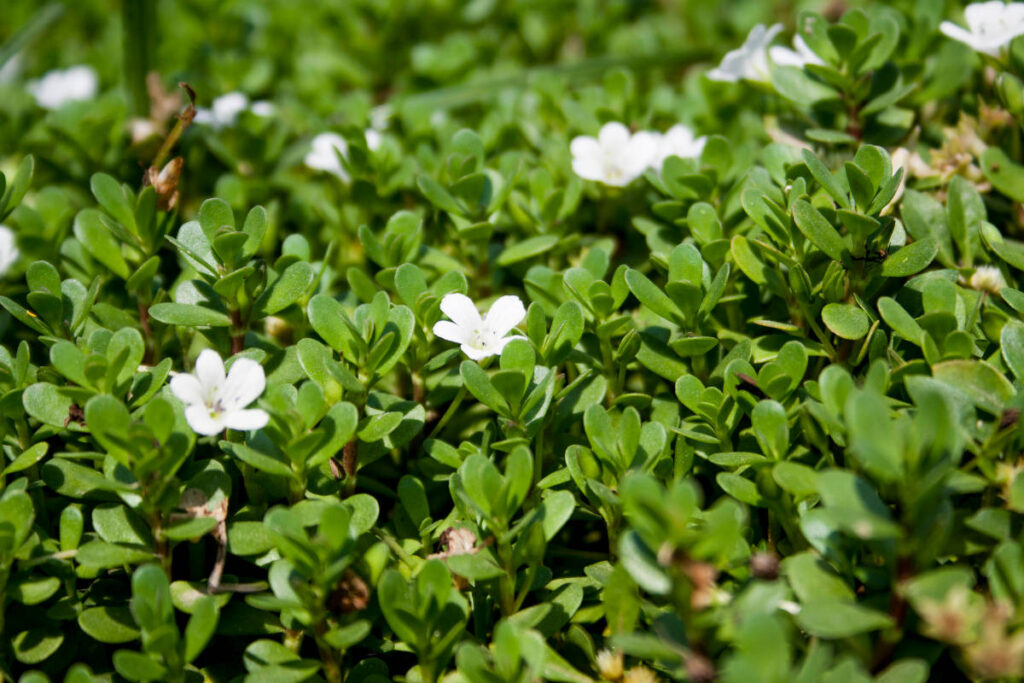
[430, 340]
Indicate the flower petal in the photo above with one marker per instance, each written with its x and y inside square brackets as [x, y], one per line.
[188, 389]
[201, 422]
[449, 331]
[245, 384]
[478, 354]
[497, 347]
[505, 313]
[246, 420]
[614, 137]
[960, 34]
[978, 14]
[641, 153]
[587, 157]
[209, 370]
[462, 311]
[783, 56]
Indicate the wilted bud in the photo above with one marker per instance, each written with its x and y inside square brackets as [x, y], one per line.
[350, 594]
[997, 654]
[278, 328]
[165, 182]
[765, 566]
[988, 279]
[640, 674]
[953, 620]
[610, 665]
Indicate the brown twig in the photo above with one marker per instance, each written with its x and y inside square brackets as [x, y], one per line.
[184, 121]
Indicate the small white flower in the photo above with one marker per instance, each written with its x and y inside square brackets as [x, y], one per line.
[680, 142]
[988, 279]
[480, 337]
[750, 60]
[263, 108]
[373, 139]
[225, 110]
[990, 26]
[8, 249]
[614, 157]
[380, 116]
[59, 87]
[800, 56]
[324, 154]
[214, 402]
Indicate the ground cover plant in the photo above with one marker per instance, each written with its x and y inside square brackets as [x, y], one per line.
[377, 340]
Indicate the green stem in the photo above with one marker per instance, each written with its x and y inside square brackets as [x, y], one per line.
[139, 25]
[450, 413]
[396, 547]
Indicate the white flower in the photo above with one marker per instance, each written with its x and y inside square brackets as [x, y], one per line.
[800, 56]
[262, 108]
[8, 249]
[373, 139]
[480, 337]
[750, 60]
[59, 87]
[680, 142]
[225, 110]
[988, 279]
[990, 26]
[614, 157]
[324, 154]
[214, 402]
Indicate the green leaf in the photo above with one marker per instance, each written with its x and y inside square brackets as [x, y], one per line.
[29, 457]
[1011, 342]
[840, 619]
[901, 322]
[437, 195]
[1006, 175]
[274, 464]
[19, 184]
[293, 283]
[107, 624]
[642, 565]
[36, 645]
[651, 296]
[47, 403]
[200, 627]
[112, 197]
[846, 320]
[826, 179]
[136, 666]
[818, 230]
[215, 214]
[978, 381]
[528, 248]
[189, 315]
[911, 259]
[100, 242]
[479, 384]
[100, 555]
[474, 566]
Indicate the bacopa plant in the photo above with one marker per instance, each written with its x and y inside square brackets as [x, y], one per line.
[507, 342]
